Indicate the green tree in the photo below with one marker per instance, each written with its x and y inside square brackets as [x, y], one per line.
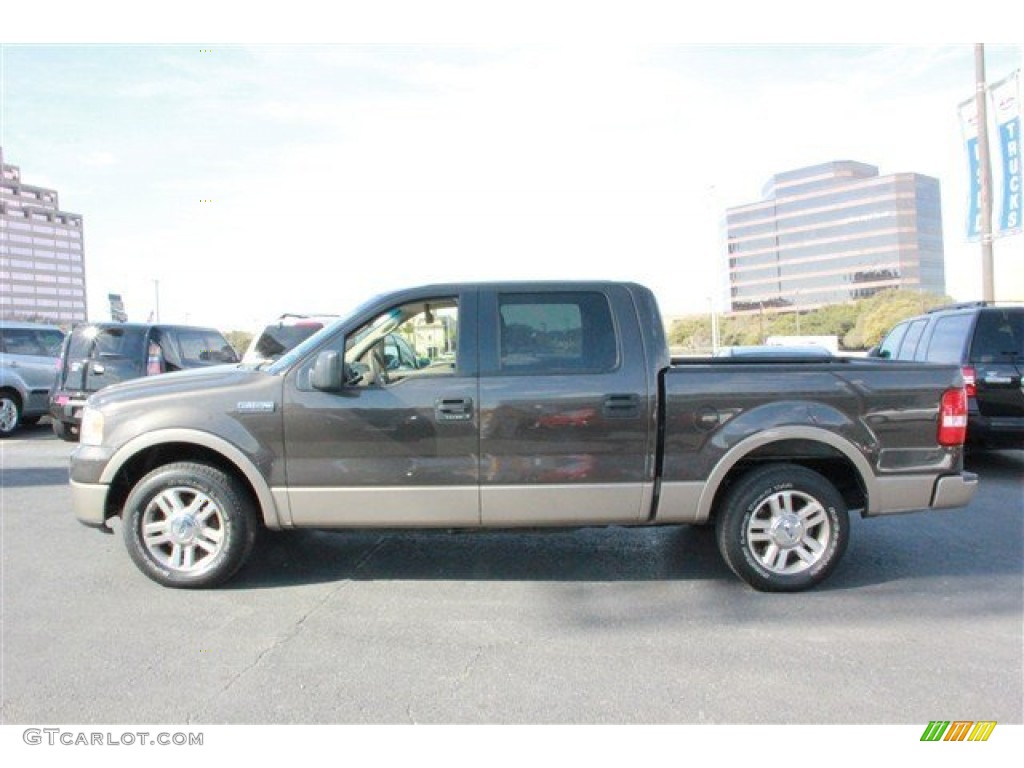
[240, 340]
[858, 324]
[691, 334]
[882, 311]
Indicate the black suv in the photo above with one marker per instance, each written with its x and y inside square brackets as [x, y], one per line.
[987, 342]
[96, 355]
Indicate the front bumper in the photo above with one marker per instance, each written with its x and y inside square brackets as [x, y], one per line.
[89, 503]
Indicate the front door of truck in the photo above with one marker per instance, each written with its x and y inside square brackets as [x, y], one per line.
[565, 415]
[395, 443]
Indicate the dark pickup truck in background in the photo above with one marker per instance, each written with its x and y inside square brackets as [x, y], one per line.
[532, 405]
[97, 355]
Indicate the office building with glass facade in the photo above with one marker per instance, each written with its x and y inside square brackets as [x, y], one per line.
[42, 263]
[834, 233]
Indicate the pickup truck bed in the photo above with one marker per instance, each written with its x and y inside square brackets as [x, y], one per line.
[524, 404]
[870, 427]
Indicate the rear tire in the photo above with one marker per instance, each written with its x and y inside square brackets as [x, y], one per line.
[189, 525]
[783, 528]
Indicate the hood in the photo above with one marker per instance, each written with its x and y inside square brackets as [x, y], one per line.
[180, 383]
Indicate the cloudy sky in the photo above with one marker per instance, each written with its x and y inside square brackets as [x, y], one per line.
[254, 178]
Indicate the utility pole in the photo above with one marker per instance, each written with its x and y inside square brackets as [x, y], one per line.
[985, 172]
[714, 325]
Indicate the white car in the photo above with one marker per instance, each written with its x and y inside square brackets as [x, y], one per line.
[282, 335]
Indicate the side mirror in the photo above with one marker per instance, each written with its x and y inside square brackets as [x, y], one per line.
[878, 352]
[326, 374]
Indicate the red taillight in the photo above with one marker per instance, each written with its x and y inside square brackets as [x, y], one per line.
[953, 417]
[970, 380]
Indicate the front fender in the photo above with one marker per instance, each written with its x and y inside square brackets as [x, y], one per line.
[273, 516]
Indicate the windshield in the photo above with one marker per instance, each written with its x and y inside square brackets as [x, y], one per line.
[291, 357]
[278, 339]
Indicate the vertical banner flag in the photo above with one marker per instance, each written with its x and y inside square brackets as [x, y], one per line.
[1006, 108]
[969, 125]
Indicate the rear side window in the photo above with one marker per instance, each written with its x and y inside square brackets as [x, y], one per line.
[999, 337]
[890, 346]
[949, 339]
[41, 342]
[199, 347]
[556, 333]
[909, 345]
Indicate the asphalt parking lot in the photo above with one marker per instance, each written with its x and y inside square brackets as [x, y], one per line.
[923, 620]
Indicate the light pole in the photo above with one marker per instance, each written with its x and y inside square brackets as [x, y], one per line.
[714, 325]
[156, 284]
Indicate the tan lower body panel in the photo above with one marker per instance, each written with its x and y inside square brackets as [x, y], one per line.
[509, 506]
[421, 507]
[680, 503]
[467, 506]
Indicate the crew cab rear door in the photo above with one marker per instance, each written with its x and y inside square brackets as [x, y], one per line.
[565, 412]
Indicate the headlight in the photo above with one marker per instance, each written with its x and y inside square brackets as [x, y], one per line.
[92, 427]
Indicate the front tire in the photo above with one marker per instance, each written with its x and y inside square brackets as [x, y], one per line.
[189, 525]
[783, 528]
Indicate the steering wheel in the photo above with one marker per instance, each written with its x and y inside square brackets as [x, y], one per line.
[354, 376]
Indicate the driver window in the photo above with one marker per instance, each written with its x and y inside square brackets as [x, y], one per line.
[409, 341]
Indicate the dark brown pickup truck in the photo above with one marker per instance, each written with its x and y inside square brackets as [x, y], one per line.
[518, 405]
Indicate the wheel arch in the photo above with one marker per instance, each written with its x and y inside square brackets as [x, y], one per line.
[824, 452]
[14, 393]
[146, 452]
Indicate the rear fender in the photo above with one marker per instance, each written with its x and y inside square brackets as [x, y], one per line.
[766, 437]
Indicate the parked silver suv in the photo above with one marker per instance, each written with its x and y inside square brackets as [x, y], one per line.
[28, 363]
